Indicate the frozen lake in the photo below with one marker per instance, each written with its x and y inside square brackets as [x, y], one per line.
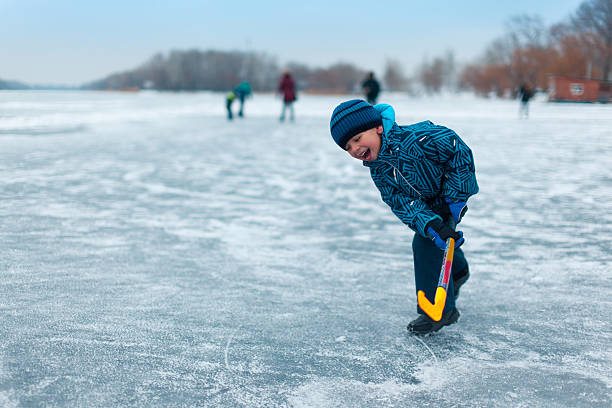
[155, 254]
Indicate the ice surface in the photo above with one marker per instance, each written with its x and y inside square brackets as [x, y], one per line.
[155, 254]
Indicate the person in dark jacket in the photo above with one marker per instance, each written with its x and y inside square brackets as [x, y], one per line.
[426, 174]
[371, 88]
[286, 89]
[525, 94]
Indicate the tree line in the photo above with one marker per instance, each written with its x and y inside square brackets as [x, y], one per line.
[215, 70]
[223, 70]
[528, 52]
[11, 85]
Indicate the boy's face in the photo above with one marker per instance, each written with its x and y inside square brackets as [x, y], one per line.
[365, 145]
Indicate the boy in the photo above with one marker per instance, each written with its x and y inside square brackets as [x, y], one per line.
[425, 173]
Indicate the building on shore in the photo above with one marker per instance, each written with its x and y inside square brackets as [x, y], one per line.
[576, 89]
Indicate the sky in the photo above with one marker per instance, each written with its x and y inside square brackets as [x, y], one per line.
[68, 42]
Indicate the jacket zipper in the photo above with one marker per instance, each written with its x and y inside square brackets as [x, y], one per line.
[396, 172]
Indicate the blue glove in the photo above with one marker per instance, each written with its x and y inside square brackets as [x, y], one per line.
[440, 232]
[457, 209]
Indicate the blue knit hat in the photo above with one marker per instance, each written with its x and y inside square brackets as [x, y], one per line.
[351, 118]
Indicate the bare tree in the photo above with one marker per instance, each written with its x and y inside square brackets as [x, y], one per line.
[594, 20]
[394, 77]
[450, 71]
[432, 75]
[525, 30]
[498, 52]
[572, 57]
[522, 53]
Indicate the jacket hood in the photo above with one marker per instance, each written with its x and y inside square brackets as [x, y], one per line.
[388, 121]
[388, 116]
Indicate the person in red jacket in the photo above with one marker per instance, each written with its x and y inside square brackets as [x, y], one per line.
[286, 88]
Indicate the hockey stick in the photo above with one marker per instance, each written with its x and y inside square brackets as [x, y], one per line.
[435, 310]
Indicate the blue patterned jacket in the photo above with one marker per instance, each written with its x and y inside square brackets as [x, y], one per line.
[418, 166]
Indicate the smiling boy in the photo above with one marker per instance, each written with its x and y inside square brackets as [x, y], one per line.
[426, 174]
[365, 145]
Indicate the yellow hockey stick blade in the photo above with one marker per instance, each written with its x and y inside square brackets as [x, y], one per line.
[434, 311]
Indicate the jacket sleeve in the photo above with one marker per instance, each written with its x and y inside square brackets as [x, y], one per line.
[412, 212]
[444, 147]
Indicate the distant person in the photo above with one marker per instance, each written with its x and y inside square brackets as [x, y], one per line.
[426, 174]
[229, 100]
[286, 89]
[241, 92]
[525, 94]
[371, 87]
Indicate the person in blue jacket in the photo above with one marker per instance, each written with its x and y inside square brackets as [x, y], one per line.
[426, 174]
[242, 91]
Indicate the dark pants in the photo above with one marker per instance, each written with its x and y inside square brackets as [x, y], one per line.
[427, 267]
[241, 98]
[228, 105]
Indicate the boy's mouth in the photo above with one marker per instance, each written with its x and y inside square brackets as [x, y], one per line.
[366, 155]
